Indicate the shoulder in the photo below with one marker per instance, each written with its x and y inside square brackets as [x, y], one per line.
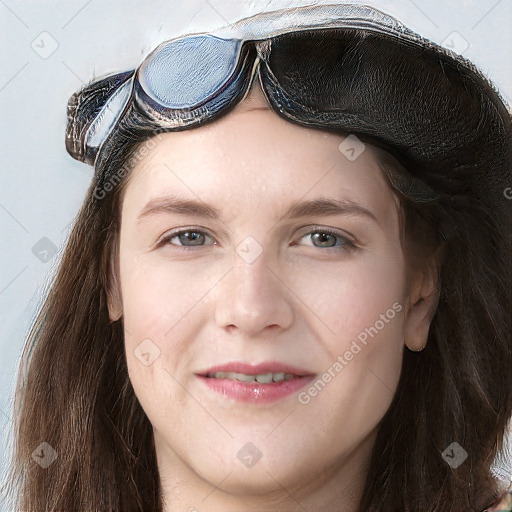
[504, 503]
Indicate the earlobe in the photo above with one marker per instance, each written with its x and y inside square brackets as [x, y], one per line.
[420, 312]
[115, 310]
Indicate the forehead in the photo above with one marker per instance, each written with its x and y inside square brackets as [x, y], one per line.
[254, 157]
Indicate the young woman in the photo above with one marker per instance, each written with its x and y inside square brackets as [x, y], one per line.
[289, 285]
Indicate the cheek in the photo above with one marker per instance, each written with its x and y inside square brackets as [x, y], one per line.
[164, 312]
[351, 296]
[158, 305]
[158, 293]
[362, 304]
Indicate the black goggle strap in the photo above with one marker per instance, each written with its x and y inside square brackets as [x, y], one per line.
[108, 118]
[93, 111]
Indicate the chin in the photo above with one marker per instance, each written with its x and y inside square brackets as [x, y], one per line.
[256, 472]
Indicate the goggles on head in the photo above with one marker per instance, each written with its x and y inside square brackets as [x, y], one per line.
[342, 67]
[192, 78]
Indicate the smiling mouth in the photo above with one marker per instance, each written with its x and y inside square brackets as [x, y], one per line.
[255, 388]
[261, 378]
[261, 383]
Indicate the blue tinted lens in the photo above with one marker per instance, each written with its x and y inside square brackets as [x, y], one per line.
[186, 72]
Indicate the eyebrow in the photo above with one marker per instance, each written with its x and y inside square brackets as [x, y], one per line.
[298, 209]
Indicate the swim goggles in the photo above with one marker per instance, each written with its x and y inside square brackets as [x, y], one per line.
[338, 67]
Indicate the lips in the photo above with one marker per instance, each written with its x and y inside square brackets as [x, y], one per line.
[228, 381]
[257, 369]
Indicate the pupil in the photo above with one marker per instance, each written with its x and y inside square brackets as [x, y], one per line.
[194, 235]
[322, 237]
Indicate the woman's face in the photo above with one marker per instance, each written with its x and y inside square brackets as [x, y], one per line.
[252, 284]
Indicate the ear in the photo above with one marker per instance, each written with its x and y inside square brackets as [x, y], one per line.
[420, 310]
[114, 301]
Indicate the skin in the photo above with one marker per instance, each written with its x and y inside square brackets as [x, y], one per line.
[298, 302]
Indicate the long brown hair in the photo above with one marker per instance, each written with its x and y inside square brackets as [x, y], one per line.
[74, 392]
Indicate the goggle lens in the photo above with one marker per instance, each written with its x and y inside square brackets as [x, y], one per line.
[186, 72]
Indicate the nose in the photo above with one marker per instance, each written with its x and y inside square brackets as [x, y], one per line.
[253, 299]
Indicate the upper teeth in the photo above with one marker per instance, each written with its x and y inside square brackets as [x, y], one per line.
[262, 378]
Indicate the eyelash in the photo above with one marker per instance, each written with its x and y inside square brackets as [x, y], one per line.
[347, 245]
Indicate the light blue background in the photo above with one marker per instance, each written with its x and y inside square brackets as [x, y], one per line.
[42, 187]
